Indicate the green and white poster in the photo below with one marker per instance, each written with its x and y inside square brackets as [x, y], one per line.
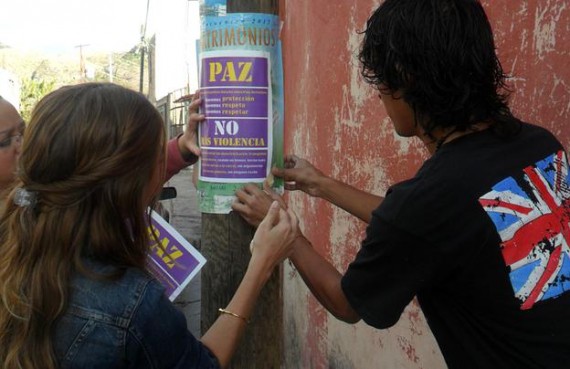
[241, 85]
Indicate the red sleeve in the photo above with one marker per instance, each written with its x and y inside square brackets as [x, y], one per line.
[175, 162]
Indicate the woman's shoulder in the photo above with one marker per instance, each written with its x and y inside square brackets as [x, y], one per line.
[105, 290]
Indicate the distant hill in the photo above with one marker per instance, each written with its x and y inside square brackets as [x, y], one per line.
[39, 73]
[65, 69]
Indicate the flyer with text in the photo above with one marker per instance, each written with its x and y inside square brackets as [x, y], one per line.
[235, 140]
[241, 85]
[175, 261]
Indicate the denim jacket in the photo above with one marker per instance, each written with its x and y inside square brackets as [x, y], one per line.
[125, 323]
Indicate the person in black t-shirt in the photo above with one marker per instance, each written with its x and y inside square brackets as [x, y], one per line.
[480, 235]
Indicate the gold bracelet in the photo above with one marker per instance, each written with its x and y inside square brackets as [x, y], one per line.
[224, 311]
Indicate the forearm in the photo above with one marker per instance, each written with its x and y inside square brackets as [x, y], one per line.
[186, 154]
[176, 158]
[223, 336]
[323, 280]
[356, 202]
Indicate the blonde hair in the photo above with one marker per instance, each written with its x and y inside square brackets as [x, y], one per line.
[89, 153]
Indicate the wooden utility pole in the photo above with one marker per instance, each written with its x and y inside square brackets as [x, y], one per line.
[111, 71]
[225, 244]
[82, 71]
[152, 70]
[253, 6]
[141, 70]
[143, 48]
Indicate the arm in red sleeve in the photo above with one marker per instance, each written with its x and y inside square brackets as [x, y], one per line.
[175, 161]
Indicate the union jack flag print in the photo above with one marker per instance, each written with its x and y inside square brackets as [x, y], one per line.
[532, 215]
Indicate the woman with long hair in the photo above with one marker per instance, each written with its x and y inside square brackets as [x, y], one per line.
[74, 288]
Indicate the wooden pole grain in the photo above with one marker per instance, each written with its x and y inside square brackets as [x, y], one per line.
[225, 244]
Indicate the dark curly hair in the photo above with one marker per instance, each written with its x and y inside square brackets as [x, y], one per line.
[440, 55]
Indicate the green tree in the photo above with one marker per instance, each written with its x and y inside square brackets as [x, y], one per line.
[31, 92]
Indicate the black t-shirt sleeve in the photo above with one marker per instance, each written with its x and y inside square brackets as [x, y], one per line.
[389, 270]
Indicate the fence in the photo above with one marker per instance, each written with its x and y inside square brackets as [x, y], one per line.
[174, 110]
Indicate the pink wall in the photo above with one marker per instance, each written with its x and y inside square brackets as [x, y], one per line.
[337, 122]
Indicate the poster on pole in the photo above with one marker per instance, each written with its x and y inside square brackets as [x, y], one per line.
[236, 141]
[241, 85]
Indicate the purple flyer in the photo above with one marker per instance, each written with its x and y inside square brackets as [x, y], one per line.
[235, 138]
[175, 261]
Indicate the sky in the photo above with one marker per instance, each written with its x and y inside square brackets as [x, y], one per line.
[59, 26]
